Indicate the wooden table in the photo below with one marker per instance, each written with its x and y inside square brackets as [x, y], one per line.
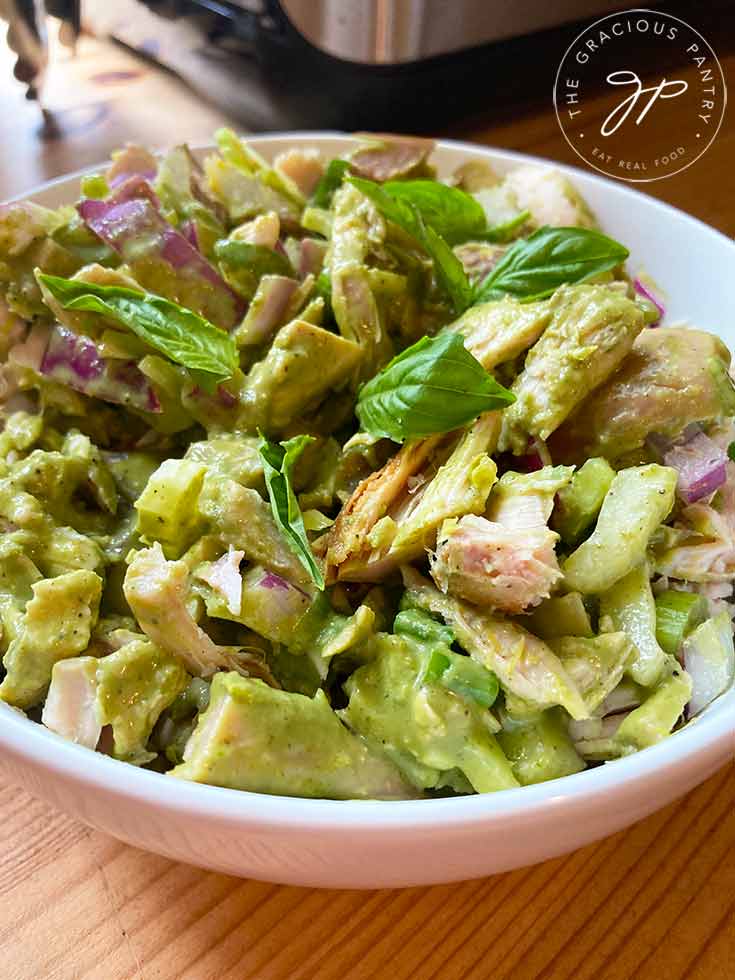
[656, 902]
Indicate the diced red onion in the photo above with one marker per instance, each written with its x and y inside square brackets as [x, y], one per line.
[189, 231]
[646, 293]
[74, 360]
[132, 217]
[222, 396]
[272, 581]
[529, 463]
[700, 463]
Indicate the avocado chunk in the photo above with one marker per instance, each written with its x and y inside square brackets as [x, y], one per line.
[425, 729]
[303, 364]
[134, 685]
[232, 457]
[57, 624]
[255, 738]
[167, 508]
[540, 749]
[673, 376]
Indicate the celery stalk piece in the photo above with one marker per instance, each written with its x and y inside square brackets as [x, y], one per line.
[677, 613]
[639, 499]
[630, 606]
[579, 503]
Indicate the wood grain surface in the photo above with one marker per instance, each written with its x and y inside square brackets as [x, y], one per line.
[656, 902]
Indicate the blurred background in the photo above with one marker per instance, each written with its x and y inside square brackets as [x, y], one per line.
[79, 77]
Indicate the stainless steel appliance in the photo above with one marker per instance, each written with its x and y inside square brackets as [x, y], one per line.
[409, 64]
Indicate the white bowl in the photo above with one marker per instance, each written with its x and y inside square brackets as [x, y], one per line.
[390, 844]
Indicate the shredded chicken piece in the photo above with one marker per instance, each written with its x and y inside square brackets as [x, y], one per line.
[392, 156]
[505, 560]
[371, 501]
[491, 564]
[224, 577]
[303, 167]
[156, 590]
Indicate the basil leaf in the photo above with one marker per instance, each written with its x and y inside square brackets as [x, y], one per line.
[278, 462]
[182, 336]
[534, 267]
[451, 212]
[329, 183]
[434, 386]
[731, 451]
[449, 272]
[504, 231]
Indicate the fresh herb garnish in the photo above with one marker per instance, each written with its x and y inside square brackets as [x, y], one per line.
[534, 267]
[731, 451]
[434, 386]
[278, 462]
[330, 182]
[181, 335]
[505, 230]
[451, 212]
[450, 274]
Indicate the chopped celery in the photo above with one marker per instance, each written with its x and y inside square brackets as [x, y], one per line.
[95, 186]
[630, 607]
[709, 658]
[657, 715]
[579, 502]
[677, 613]
[454, 671]
[638, 500]
[470, 680]
[563, 615]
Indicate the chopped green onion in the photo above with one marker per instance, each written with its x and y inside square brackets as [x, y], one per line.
[420, 625]
[677, 613]
[436, 666]
[470, 680]
[95, 186]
